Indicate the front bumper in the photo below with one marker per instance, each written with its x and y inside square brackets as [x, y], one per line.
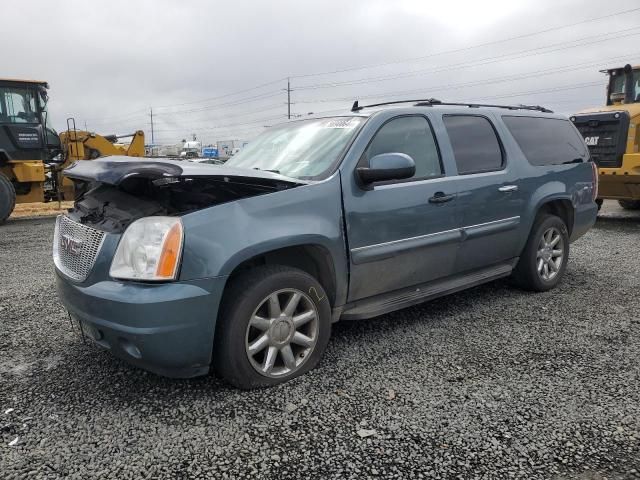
[165, 328]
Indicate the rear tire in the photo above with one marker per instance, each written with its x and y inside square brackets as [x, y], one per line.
[630, 204]
[259, 342]
[7, 198]
[544, 259]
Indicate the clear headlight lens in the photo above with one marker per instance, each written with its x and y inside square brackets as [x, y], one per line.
[150, 249]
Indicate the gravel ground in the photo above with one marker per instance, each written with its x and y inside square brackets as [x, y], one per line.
[488, 383]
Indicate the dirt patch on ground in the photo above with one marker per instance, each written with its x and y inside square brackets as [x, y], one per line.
[40, 209]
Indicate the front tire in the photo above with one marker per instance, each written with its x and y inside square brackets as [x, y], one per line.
[7, 198]
[545, 256]
[630, 204]
[274, 325]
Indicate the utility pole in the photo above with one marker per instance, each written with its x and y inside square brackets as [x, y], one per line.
[151, 112]
[288, 98]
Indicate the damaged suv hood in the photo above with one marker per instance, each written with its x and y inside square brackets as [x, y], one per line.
[112, 192]
[116, 169]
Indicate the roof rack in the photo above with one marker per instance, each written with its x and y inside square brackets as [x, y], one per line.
[429, 102]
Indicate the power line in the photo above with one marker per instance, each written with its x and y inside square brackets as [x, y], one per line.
[544, 90]
[145, 114]
[225, 116]
[136, 113]
[464, 49]
[484, 61]
[233, 103]
[273, 82]
[261, 120]
[479, 82]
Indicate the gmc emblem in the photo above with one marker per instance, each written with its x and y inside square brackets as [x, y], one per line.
[591, 141]
[70, 245]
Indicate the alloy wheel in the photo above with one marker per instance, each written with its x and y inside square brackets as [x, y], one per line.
[550, 254]
[282, 333]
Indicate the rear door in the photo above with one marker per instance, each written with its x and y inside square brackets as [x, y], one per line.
[401, 233]
[490, 196]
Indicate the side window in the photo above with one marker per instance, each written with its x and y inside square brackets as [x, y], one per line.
[547, 141]
[412, 136]
[475, 145]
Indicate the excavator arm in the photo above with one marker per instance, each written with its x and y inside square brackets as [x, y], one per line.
[82, 145]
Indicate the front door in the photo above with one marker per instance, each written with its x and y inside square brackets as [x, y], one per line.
[402, 233]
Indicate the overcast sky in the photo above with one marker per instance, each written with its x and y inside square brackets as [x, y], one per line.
[197, 62]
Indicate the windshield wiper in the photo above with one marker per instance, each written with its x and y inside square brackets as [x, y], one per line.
[267, 170]
[575, 160]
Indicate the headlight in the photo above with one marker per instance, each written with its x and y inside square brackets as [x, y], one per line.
[149, 249]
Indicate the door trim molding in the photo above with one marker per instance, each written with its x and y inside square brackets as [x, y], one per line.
[488, 228]
[381, 251]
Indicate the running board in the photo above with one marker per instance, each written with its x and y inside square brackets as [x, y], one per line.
[389, 302]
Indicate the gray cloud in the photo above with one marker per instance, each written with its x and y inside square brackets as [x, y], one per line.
[108, 62]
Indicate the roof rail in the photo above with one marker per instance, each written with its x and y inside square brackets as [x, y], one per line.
[429, 102]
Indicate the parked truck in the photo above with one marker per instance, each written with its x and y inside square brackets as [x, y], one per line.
[191, 149]
[612, 133]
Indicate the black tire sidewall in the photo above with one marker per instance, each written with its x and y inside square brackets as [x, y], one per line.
[629, 204]
[527, 271]
[7, 198]
[241, 300]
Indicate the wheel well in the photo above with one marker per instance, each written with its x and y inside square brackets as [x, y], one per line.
[312, 259]
[562, 209]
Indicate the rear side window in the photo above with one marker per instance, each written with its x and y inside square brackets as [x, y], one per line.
[547, 141]
[412, 136]
[475, 144]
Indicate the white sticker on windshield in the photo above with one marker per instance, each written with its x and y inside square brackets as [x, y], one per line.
[340, 123]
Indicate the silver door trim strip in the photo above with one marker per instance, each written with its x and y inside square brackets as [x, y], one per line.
[372, 253]
[409, 239]
[431, 235]
[493, 222]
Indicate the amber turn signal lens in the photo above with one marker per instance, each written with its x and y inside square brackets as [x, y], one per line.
[170, 256]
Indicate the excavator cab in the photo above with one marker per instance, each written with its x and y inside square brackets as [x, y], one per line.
[25, 133]
[33, 155]
[27, 143]
[624, 85]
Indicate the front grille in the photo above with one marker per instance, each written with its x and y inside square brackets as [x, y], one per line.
[75, 247]
[606, 136]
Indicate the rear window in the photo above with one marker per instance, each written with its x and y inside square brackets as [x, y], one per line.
[475, 145]
[547, 141]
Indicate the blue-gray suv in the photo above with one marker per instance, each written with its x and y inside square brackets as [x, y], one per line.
[182, 268]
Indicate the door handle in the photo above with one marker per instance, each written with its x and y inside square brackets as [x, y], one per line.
[441, 197]
[508, 188]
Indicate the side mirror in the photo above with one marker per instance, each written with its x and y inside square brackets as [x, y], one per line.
[387, 166]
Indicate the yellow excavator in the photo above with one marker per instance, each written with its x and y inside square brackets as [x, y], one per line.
[33, 155]
[612, 133]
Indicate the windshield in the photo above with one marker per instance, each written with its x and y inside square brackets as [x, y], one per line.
[305, 149]
[18, 105]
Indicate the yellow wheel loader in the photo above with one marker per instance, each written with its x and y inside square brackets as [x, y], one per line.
[612, 133]
[32, 155]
